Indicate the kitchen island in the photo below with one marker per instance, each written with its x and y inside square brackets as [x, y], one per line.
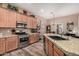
[69, 47]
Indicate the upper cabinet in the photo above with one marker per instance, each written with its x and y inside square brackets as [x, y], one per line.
[25, 18]
[18, 17]
[11, 19]
[32, 22]
[21, 17]
[3, 17]
[7, 18]
[29, 23]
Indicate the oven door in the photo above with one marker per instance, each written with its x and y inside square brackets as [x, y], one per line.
[23, 42]
[23, 39]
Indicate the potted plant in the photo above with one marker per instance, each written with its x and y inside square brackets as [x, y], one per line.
[12, 7]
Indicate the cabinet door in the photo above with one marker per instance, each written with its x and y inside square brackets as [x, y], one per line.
[11, 21]
[26, 20]
[3, 17]
[58, 51]
[23, 18]
[36, 37]
[55, 53]
[7, 18]
[29, 22]
[33, 38]
[50, 48]
[46, 46]
[18, 17]
[11, 43]
[34, 23]
[2, 45]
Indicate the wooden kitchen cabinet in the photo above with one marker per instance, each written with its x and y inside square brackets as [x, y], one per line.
[32, 22]
[24, 18]
[21, 17]
[11, 19]
[33, 38]
[3, 17]
[11, 43]
[46, 45]
[18, 17]
[7, 18]
[2, 45]
[57, 51]
[51, 49]
[29, 23]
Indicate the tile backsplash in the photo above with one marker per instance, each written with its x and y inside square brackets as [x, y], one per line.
[5, 31]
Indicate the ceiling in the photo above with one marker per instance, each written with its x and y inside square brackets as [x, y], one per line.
[50, 10]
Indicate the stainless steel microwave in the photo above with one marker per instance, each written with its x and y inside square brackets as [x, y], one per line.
[20, 24]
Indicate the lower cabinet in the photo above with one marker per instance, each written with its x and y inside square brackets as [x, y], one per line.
[2, 45]
[51, 49]
[7, 44]
[46, 45]
[33, 38]
[57, 51]
[11, 43]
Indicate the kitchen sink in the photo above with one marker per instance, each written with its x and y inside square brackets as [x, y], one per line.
[57, 38]
[69, 34]
[72, 35]
[75, 36]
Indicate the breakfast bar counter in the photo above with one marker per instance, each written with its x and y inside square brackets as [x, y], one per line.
[70, 46]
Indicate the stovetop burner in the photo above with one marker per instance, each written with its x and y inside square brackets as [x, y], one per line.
[21, 36]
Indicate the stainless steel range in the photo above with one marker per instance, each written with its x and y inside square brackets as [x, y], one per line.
[23, 38]
[20, 30]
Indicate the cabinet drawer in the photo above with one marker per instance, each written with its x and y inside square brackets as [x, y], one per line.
[58, 51]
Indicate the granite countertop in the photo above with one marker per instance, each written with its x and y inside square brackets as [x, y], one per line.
[5, 36]
[69, 47]
[33, 33]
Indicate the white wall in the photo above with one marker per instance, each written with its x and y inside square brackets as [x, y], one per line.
[64, 20]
